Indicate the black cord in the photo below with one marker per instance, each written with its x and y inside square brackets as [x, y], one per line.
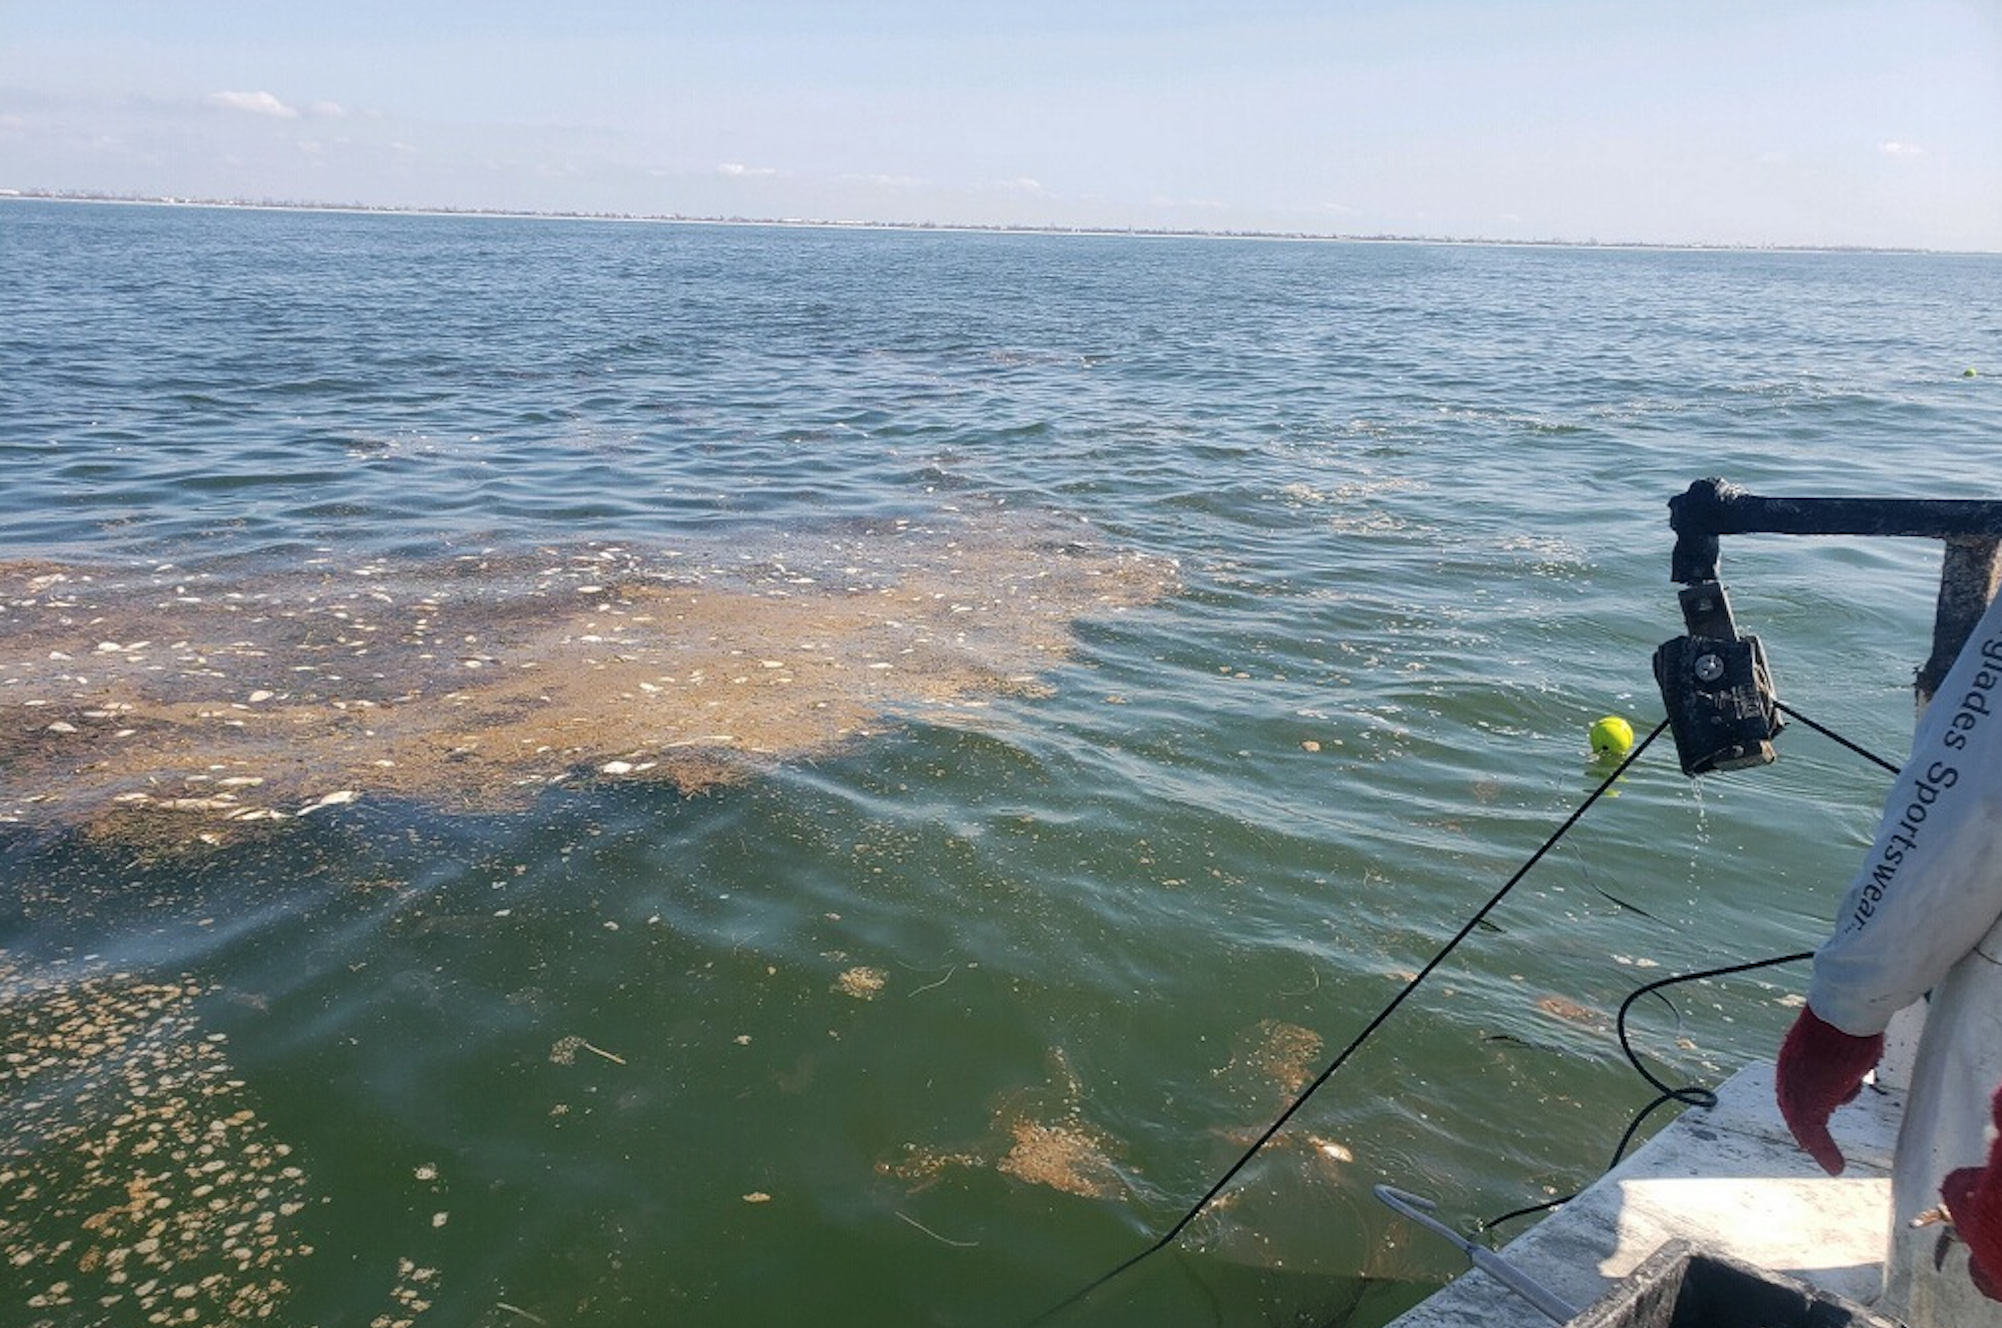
[1835, 737]
[1701, 1098]
[1382, 1015]
[1695, 1097]
[1689, 1096]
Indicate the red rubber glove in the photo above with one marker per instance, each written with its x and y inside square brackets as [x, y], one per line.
[1974, 1201]
[1820, 1068]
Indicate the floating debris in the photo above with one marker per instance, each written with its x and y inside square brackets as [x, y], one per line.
[1043, 1139]
[1280, 1058]
[864, 984]
[411, 1296]
[943, 1240]
[1064, 1155]
[280, 684]
[1571, 1012]
[1330, 1150]
[338, 798]
[565, 1050]
[137, 1181]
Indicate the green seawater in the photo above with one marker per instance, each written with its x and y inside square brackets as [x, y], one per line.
[940, 1015]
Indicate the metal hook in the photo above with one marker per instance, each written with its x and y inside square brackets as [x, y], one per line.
[1418, 1209]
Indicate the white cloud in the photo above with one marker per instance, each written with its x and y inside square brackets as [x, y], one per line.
[1021, 184]
[327, 110]
[1897, 149]
[737, 168]
[252, 103]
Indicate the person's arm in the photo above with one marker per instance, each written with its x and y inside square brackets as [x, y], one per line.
[1927, 892]
[1974, 1201]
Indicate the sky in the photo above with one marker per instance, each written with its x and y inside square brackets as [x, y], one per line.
[1672, 121]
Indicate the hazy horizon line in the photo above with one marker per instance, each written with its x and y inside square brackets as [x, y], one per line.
[998, 228]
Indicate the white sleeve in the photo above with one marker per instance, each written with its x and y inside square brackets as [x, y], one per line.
[1931, 886]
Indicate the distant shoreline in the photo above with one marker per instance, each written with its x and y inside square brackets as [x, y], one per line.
[946, 227]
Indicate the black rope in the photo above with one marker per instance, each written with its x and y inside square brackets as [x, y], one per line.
[1382, 1015]
[1690, 1095]
[1695, 1097]
[1835, 737]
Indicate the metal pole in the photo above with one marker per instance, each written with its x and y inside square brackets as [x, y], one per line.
[1968, 579]
[1417, 1209]
[1714, 507]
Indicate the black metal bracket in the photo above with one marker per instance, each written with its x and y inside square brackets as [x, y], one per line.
[1714, 507]
[1971, 528]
